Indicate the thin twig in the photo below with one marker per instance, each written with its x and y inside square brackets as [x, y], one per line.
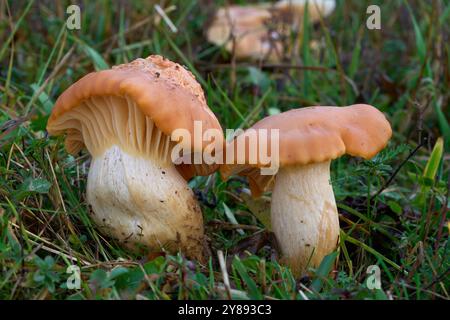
[223, 268]
[166, 19]
[422, 289]
[397, 170]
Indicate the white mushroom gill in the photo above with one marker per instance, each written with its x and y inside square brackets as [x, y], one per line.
[304, 214]
[136, 193]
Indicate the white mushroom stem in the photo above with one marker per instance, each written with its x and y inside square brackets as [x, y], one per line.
[139, 201]
[304, 215]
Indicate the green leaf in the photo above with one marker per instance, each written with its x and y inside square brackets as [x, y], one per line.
[380, 295]
[38, 277]
[155, 266]
[253, 290]
[323, 271]
[35, 185]
[435, 159]
[395, 206]
[30, 186]
[39, 123]
[129, 281]
[430, 171]
[231, 217]
[258, 78]
[443, 123]
[420, 42]
[118, 271]
[354, 64]
[99, 278]
[43, 98]
[96, 58]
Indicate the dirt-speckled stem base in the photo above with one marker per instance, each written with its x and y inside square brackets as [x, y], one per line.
[141, 202]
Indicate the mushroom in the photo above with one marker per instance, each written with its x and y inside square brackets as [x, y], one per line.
[294, 10]
[125, 117]
[243, 31]
[256, 31]
[303, 210]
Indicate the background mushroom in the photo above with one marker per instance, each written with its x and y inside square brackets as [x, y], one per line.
[294, 10]
[125, 117]
[303, 209]
[243, 31]
[256, 31]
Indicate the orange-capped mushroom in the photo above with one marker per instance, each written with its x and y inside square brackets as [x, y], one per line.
[303, 209]
[125, 117]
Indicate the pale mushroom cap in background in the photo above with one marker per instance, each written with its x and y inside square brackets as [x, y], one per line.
[245, 31]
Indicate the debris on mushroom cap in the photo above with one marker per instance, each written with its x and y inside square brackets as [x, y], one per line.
[256, 31]
[317, 134]
[157, 90]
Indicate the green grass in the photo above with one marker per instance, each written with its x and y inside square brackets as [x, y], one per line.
[402, 69]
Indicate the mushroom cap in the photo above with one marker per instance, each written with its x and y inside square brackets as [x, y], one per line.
[258, 29]
[316, 8]
[312, 135]
[247, 25]
[163, 90]
[241, 19]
